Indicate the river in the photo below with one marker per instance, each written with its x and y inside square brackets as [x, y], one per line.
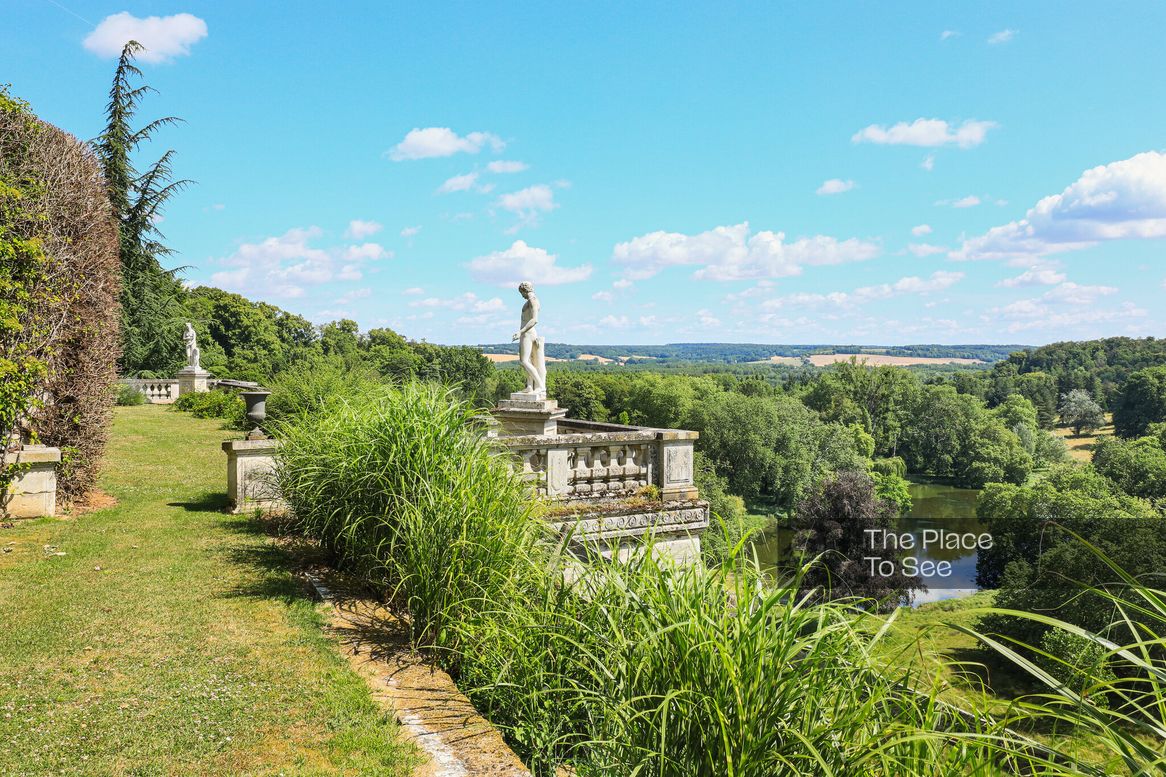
[934, 507]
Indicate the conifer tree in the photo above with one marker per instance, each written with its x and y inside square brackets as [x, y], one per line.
[151, 296]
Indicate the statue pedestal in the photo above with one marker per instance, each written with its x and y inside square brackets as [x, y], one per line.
[192, 380]
[529, 413]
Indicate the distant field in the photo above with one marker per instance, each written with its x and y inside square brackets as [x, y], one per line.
[873, 359]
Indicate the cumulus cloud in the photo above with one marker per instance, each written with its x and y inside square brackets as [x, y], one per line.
[1003, 36]
[926, 132]
[458, 183]
[529, 203]
[603, 296]
[413, 291]
[614, 322]
[921, 229]
[366, 252]
[410, 231]
[506, 166]
[442, 141]
[732, 253]
[1123, 200]
[948, 34]
[466, 302]
[925, 249]
[359, 230]
[164, 37]
[938, 281]
[522, 262]
[1037, 276]
[835, 186]
[280, 265]
[706, 318]
[970, 201]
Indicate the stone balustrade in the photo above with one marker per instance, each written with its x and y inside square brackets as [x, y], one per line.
[591, 460]
[158, 391]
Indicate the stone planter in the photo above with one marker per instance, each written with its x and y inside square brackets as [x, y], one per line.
[34, 491]
[250, 475]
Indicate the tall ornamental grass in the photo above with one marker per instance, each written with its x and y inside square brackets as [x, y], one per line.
[643, 668]
[396, 485]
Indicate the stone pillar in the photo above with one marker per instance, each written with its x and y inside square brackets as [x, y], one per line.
[34, 491]
[192, 380]
[676, 466]
[250, 475]
[558, 462]
[524, 414]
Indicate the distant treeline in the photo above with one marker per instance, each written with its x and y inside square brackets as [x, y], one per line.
[734, 353]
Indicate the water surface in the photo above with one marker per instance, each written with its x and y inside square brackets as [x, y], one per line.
[934, 507]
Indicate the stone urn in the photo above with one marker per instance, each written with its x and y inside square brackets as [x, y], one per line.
[256, 400]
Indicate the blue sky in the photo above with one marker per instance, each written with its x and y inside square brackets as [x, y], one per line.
[820, 172]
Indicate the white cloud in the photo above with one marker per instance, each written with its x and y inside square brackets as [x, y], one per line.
[732, 253]
[442, 141]
[1123, 200]
[466, 302]
[970, 201]
[649, 321]
[614, 322]
[835, 186]
[921, 229]
[359, 230]
[925, 249]
[164, 37]
[506, 166]
[1037, 276]
[350, 272]
[1003, 36]
[528, 203]
[1069, 293]
[279, 265]
[928, 162]
[603, 296]
[706, 319]
[522, 262]
[458, 183]
[926, 132]
[366, 252]
[622, 283]
[946, 34]
[938, 281]
[413, 291]
[410, 231]
[353, 295]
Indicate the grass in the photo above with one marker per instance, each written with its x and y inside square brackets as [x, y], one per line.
[1081, 447]
[928, 641]
[170, 638]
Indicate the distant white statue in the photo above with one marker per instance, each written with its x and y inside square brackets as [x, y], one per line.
[531, 347]
[192, 353]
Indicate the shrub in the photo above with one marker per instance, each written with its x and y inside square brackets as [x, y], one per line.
[226, 405]
[58, 294]
[312, 384]
[128, 396]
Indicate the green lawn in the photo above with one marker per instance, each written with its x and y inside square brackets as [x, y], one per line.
[171, 638]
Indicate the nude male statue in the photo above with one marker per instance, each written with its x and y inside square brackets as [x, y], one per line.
[530, 346]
